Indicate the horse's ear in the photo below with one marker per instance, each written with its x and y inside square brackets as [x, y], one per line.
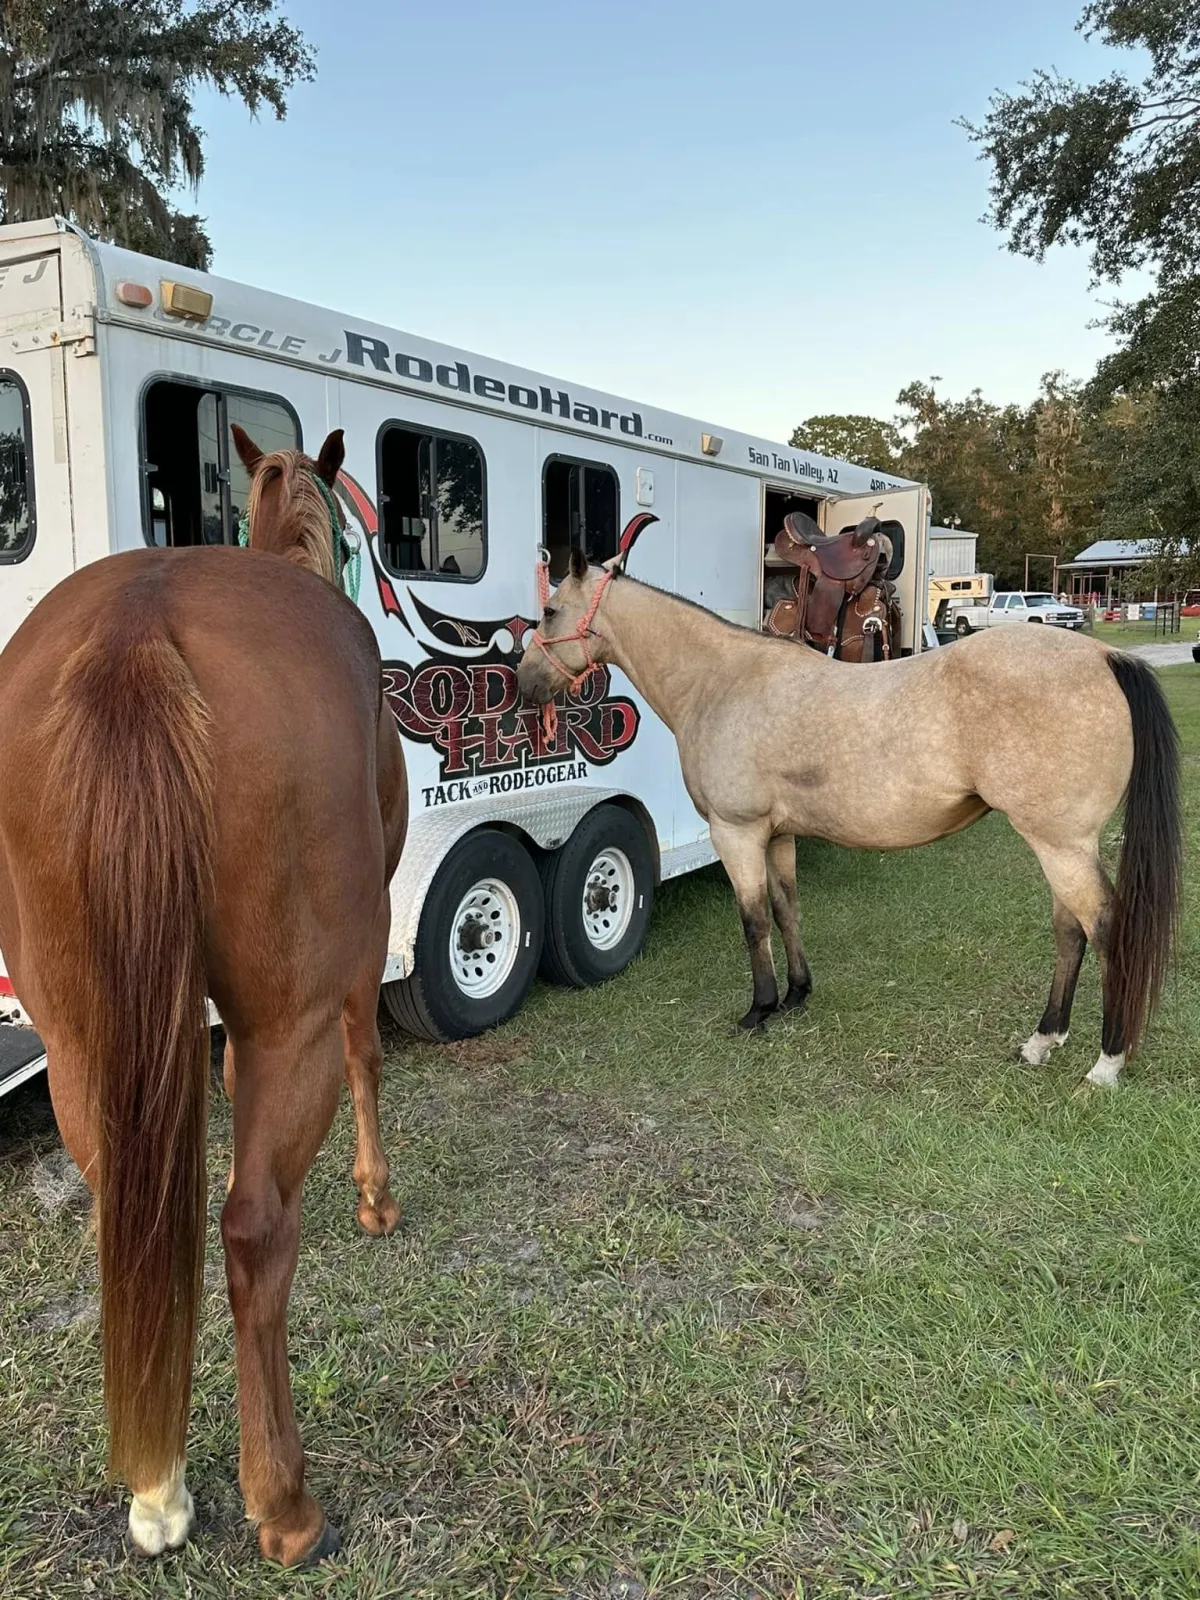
[633, 527]
[248, 452]
[333, 453]
[578, 565]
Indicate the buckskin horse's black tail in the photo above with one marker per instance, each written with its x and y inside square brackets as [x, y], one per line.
[1145, 915]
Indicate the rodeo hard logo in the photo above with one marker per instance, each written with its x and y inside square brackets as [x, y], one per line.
[464, 701]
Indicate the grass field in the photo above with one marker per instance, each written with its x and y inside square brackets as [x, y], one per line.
[1127, 633]
[859, 1307]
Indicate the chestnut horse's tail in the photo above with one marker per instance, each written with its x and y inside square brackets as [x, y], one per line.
[134, 785]
[1146, 908]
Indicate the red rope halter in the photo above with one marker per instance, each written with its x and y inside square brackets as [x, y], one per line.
[582, 634]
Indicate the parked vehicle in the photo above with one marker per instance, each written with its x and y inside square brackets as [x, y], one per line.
[120, 380]
[950, 594]
[1016, 606]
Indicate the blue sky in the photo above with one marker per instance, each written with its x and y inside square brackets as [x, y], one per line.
[751, 212]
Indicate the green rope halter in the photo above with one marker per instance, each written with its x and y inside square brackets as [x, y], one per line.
[347, 557]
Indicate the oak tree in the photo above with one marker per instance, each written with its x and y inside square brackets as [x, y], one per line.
[96, 115]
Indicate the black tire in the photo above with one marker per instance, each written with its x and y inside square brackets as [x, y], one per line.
[574, 951]
[1040, 620]
[962, 627]
[432, 1002]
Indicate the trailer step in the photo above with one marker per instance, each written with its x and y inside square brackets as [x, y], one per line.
[22, 1053]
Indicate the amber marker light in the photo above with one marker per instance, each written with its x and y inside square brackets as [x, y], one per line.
[133, 294]
[184, 300]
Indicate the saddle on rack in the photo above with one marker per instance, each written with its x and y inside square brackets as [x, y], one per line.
[840, 600]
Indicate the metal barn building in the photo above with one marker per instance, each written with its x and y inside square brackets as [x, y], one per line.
[951, 552]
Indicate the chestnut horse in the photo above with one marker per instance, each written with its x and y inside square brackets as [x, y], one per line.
[202, 793]
[776, 740]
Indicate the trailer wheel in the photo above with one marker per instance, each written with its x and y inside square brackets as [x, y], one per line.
[599, 890]
[478, 943]
[962, 627]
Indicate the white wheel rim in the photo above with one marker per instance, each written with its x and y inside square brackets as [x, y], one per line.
[608, 899]
[485, 938]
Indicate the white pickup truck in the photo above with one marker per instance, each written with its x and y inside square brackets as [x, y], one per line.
[1015, 607]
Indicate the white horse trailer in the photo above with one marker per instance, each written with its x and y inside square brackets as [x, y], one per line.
[120, 378]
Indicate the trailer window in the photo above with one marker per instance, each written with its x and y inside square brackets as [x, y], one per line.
[196, 487]
[16, 478]
[272, 427]
[431, 503]
[581, 510]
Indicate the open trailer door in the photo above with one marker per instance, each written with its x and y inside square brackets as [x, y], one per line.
[36, 542]
[36, 533]
[910, 508]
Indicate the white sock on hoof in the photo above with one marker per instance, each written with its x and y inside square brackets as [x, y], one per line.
[162, 1518]
[1107, 1070]
[1035, 1052]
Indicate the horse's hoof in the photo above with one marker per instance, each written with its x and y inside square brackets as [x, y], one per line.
[1090, 1086]
[1039, 1047]
[755, 1019]
[161, 1519]
[379, 1219]
[1106, 1074]
[327, 1545]
[795, 1000]
[288, 1541]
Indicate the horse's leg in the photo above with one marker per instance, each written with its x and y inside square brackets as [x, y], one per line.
[1070, 942]
[744, 856]
[1081, 885]
[285, 1099]
[781, 884]
[378, 1213]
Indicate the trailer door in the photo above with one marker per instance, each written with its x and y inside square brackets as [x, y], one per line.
[910, 508]
[36, 530]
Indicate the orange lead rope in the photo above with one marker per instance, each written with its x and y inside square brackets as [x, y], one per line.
[549, 710]
[583, 632]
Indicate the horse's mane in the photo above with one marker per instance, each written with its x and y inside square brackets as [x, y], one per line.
[302, 511]
[694, 605]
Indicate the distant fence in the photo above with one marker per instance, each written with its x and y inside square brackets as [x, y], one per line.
[1164, 614]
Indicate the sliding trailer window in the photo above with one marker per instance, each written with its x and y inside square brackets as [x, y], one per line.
[581, 510]
[16, 471]
[432, 503]
[196, 487]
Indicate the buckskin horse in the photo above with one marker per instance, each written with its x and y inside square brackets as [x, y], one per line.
[777, 741]
[202, 792]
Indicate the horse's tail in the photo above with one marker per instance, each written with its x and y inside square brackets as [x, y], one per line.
[1146, 909]
[133, 781]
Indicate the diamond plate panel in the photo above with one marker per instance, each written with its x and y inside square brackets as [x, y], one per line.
[548, 819]
[687, 857]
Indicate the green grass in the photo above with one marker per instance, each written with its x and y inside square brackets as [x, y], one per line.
[859, 1307]
[1126, 633]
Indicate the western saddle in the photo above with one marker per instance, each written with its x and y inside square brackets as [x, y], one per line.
[840, 600]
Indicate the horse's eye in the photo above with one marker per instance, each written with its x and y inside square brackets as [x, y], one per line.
[548, 614]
